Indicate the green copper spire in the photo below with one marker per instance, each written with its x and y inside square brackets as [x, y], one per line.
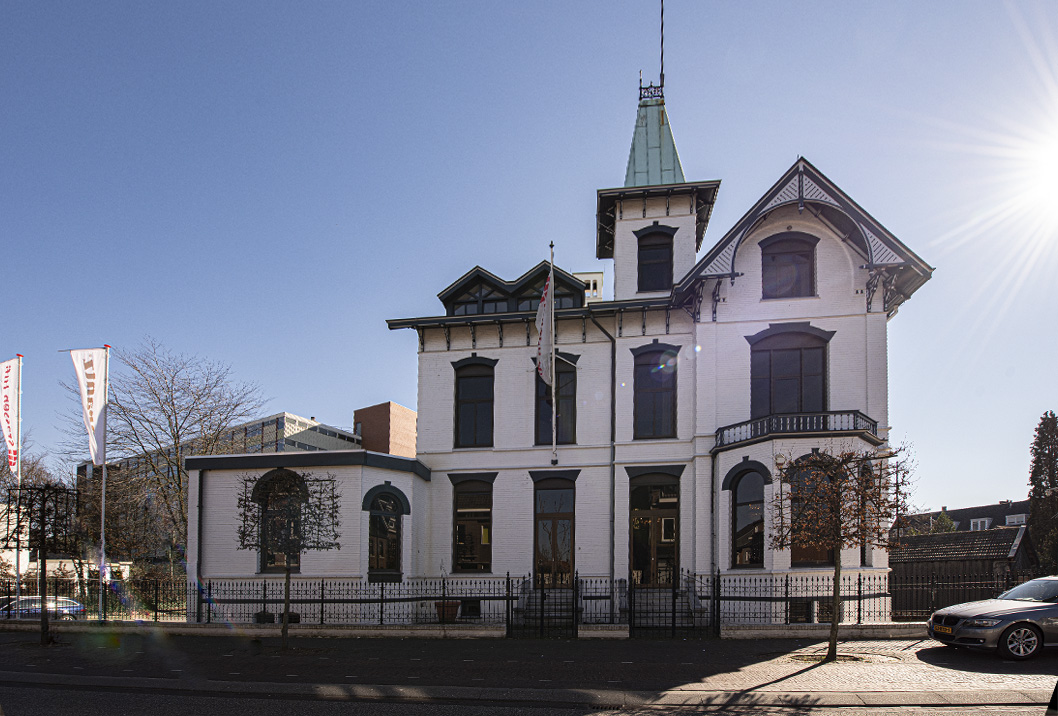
[653, 159]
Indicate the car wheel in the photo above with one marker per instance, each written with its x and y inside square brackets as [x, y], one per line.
[1020, 641]
[67, 617]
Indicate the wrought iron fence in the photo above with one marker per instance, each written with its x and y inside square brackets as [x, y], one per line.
[125, 600]
[692, 605]
[915, 597]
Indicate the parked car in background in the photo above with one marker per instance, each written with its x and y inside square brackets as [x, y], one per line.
[29, 607]
[1018, 623]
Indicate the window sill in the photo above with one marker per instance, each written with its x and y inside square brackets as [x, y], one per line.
[473, 447]
[637, 438]
[384, 577]
[788, 298]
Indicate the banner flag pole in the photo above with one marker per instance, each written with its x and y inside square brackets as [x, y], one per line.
[554, 371]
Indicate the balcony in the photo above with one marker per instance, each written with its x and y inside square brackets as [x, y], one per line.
[826, 424]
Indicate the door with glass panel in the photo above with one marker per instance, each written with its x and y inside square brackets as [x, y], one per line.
[553, 539]
[654, 511]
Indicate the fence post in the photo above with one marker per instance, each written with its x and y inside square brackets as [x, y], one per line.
[576, 594]
[381, 602]
[509, 609]
[543, 596]
[198, 602]
[631, 606]
[675, 589]
[859, 598]
[444, 600]
[323, 600]
[716, 602]
[156, 600]
[786, 601]
[209, 603]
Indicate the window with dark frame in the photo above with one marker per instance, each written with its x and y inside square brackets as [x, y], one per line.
[805, 555]
[788, 375]
[655, 262]
[472, 541]
[384, 537]
[529, 299]
[654, 394]
[474, 404]
[566, 410]
[554, 502]
[788, 266]
[480, 298]
[747, 521]
[279, 498]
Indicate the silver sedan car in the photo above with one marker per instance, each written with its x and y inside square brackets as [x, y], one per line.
[1018, 623]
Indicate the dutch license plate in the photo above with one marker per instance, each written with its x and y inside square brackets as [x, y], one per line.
[942, 629]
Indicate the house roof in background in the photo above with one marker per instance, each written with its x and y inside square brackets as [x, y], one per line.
[998, 543]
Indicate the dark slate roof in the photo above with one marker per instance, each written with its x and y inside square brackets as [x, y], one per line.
[997, 512]
[998, 543]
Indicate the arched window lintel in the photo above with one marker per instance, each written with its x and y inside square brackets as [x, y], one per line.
[740, 469]
[387, 489]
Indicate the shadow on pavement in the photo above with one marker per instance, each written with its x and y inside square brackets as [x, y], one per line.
[592, 673]
[987, 662]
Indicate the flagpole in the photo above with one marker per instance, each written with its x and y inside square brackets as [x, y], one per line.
[103, 499]
[554, 366]
[18, 477]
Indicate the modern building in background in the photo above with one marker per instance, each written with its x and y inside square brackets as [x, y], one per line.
[386, 427]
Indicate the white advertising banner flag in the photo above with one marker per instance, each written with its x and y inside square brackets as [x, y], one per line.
[90, 366]
[545, 333]
[9, 403]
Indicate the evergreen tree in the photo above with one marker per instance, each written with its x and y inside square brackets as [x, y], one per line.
[1043, 491]
[943, 523]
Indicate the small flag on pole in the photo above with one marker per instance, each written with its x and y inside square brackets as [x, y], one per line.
[545, 332]
[90, 366]
[10, 379]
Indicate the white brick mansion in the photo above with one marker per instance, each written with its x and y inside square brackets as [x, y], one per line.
[673, 399]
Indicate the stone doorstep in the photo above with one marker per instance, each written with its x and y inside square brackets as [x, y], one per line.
[887, 630]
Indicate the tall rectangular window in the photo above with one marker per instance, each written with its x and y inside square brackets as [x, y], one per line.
[566, 410]
[474, 399]
[472, 543]
[654, 388]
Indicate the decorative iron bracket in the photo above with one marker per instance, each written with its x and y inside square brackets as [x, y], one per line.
[448, 338]
[499, 329]
[872, 286]
[473, 335]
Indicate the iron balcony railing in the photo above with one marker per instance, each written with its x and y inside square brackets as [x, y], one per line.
[833, 421]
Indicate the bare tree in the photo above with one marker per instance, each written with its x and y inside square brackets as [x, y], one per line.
[282, 514]
[163, 407]
[829, 501]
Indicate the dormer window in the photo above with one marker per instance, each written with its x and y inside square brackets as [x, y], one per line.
[980, 523]
[655, 257]
[529, 299]
[788, 265]
[481, 298]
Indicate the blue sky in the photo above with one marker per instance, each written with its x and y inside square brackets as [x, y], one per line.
[265, 183]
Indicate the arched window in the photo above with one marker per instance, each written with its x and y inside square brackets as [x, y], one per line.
[747, 520]
[281, 494]
[655, 258]
[386, 505]
[654, 391]
[788, 265]
[474, 401]
[788, 374]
